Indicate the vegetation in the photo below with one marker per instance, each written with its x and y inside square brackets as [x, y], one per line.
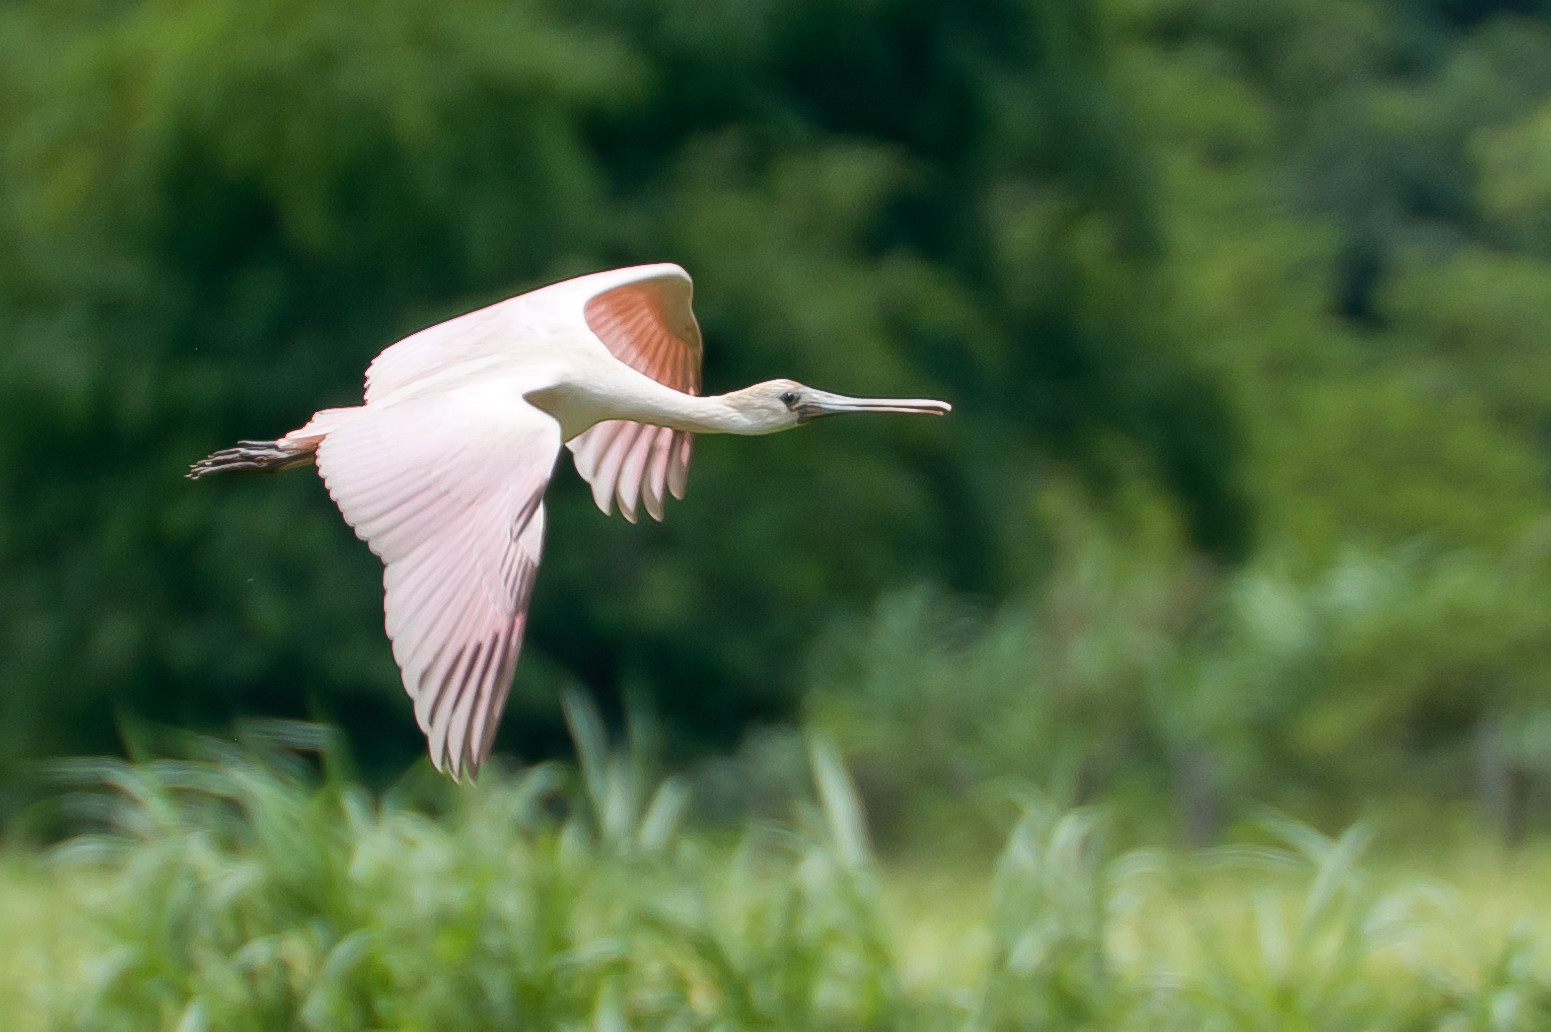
[1241, 304]
[239, 891]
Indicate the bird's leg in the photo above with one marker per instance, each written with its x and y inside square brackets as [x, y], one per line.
[258, 457]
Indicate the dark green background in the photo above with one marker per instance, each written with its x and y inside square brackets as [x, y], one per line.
[1242, 305]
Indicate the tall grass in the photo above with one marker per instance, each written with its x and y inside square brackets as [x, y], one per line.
[244, 889]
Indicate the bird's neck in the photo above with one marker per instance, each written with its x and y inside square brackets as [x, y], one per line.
[643, 400]
[712, 414]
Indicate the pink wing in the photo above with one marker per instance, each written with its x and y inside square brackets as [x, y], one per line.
[649, 325]
[449, 494]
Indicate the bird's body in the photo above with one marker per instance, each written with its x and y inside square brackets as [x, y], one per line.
[442, 469]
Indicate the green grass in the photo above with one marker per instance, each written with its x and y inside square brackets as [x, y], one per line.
[242, 890]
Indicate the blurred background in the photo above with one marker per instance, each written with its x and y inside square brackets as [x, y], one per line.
[1241, 304]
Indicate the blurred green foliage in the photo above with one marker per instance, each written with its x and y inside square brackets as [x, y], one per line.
[224, 210]
[1241, 304]
[1326, 693]
[236, 891]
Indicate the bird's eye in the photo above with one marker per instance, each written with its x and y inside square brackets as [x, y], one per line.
[789, 398]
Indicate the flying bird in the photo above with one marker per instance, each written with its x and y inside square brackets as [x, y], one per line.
[442, 469]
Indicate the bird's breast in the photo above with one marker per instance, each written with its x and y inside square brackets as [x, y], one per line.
[575, 409]
[587, 392]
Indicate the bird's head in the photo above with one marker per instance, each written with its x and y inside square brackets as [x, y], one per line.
[782, 404]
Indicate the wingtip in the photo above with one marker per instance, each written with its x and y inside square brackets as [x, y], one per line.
[460, 769]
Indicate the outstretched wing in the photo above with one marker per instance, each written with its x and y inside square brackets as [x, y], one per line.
[449, 493]
[648, 324]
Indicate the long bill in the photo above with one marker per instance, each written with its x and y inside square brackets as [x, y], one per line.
[822, 403]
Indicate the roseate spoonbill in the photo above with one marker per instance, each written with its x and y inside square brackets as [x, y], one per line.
[442, 470]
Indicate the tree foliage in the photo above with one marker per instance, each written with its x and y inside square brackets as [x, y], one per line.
[1259, 281]
[226, 209]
